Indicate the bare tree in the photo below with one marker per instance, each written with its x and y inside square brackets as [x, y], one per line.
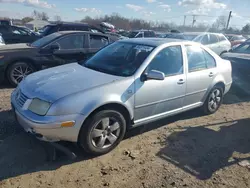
[40, 15]
[220, 23]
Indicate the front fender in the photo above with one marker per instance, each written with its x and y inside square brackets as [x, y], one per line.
[120, 92]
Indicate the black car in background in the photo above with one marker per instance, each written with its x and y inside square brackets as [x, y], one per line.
[19, 60]
[240, 58]
[65, 26]
[141, 34]
[14, 34]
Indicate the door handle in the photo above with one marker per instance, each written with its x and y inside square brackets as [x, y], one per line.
[211, 74]
[181, 81]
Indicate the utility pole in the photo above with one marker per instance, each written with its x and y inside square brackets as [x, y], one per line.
[194, 20]
[184, 22]
[229, 17]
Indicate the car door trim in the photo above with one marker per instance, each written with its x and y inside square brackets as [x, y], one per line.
[157, 102]
[200, 91]
[166, 114]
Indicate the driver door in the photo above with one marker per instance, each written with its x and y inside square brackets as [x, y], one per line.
[72, 48]
[155, 98]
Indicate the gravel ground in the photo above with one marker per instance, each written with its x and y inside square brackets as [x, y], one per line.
[187, 150]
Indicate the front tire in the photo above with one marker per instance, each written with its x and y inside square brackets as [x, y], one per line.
[18, 71]
[102, 132]
[214, 100]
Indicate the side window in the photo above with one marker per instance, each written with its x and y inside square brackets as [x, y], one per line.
[98, 42]
[244, 48]
[19, 31]
[221, 38]
[196, 58]
[211, 63]
[203, 39]
[3, 29]
[139, 35]
[147, 34]
[169, 61]
[213, 39]
[70, 42]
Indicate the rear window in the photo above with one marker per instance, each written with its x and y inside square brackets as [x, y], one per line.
[221, 38]
[213, 39]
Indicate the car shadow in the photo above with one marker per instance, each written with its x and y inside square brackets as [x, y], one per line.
[203, 150]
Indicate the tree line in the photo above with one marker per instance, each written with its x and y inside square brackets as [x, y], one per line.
[134, 23]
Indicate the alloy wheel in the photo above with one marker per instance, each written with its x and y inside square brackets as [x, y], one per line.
[214, 100]
[105, 132]
[20, 72]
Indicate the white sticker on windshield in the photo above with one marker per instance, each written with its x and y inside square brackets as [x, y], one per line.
[144, 48]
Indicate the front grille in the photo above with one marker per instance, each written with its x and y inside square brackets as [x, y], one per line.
[20, 98]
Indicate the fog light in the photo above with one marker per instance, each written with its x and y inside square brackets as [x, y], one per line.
[68, 124]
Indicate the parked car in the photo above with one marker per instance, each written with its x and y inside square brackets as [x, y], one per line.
[14, 34]
[176, 36]
[215, 41]
[240, 58]
[126, 84]
[1, 40]
[68, 26]
[235, 39]
[19, 60]
[141, 34]
[5, 22]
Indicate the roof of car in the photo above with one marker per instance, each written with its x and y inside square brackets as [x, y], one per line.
[200, 33]
[233, 35]
[86, 32]
[141, 30]
[69, 23]
[151, 41]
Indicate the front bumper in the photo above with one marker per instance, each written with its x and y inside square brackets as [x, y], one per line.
[48, 128]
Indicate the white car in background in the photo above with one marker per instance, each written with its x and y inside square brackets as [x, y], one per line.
[215, 41]
[1, 40]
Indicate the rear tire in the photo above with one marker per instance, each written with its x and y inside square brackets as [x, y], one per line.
[213, 101]
[102, 132]
[18, 71]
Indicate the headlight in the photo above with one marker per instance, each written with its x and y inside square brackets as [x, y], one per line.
[39, 107]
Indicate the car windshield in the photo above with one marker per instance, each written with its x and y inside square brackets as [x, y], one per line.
[41, 42]
[120, 58]
[190, 37]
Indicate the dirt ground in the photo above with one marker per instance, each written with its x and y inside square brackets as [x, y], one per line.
[187, 150]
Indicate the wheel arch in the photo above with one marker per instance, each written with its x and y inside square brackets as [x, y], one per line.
[111, 106]
[24, 59]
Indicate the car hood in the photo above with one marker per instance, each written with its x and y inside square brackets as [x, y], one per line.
[11, 47]
[231, 55]
[55, 83]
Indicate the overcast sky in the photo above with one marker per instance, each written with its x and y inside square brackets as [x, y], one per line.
[155, 10]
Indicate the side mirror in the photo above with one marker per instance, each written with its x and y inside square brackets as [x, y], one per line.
[54, 47]
[230, 50]
[154, 75]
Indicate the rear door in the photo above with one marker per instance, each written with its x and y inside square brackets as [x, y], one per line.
[201, 72]
[213, 44]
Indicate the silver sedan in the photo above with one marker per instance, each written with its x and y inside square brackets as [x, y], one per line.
[126, 84]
